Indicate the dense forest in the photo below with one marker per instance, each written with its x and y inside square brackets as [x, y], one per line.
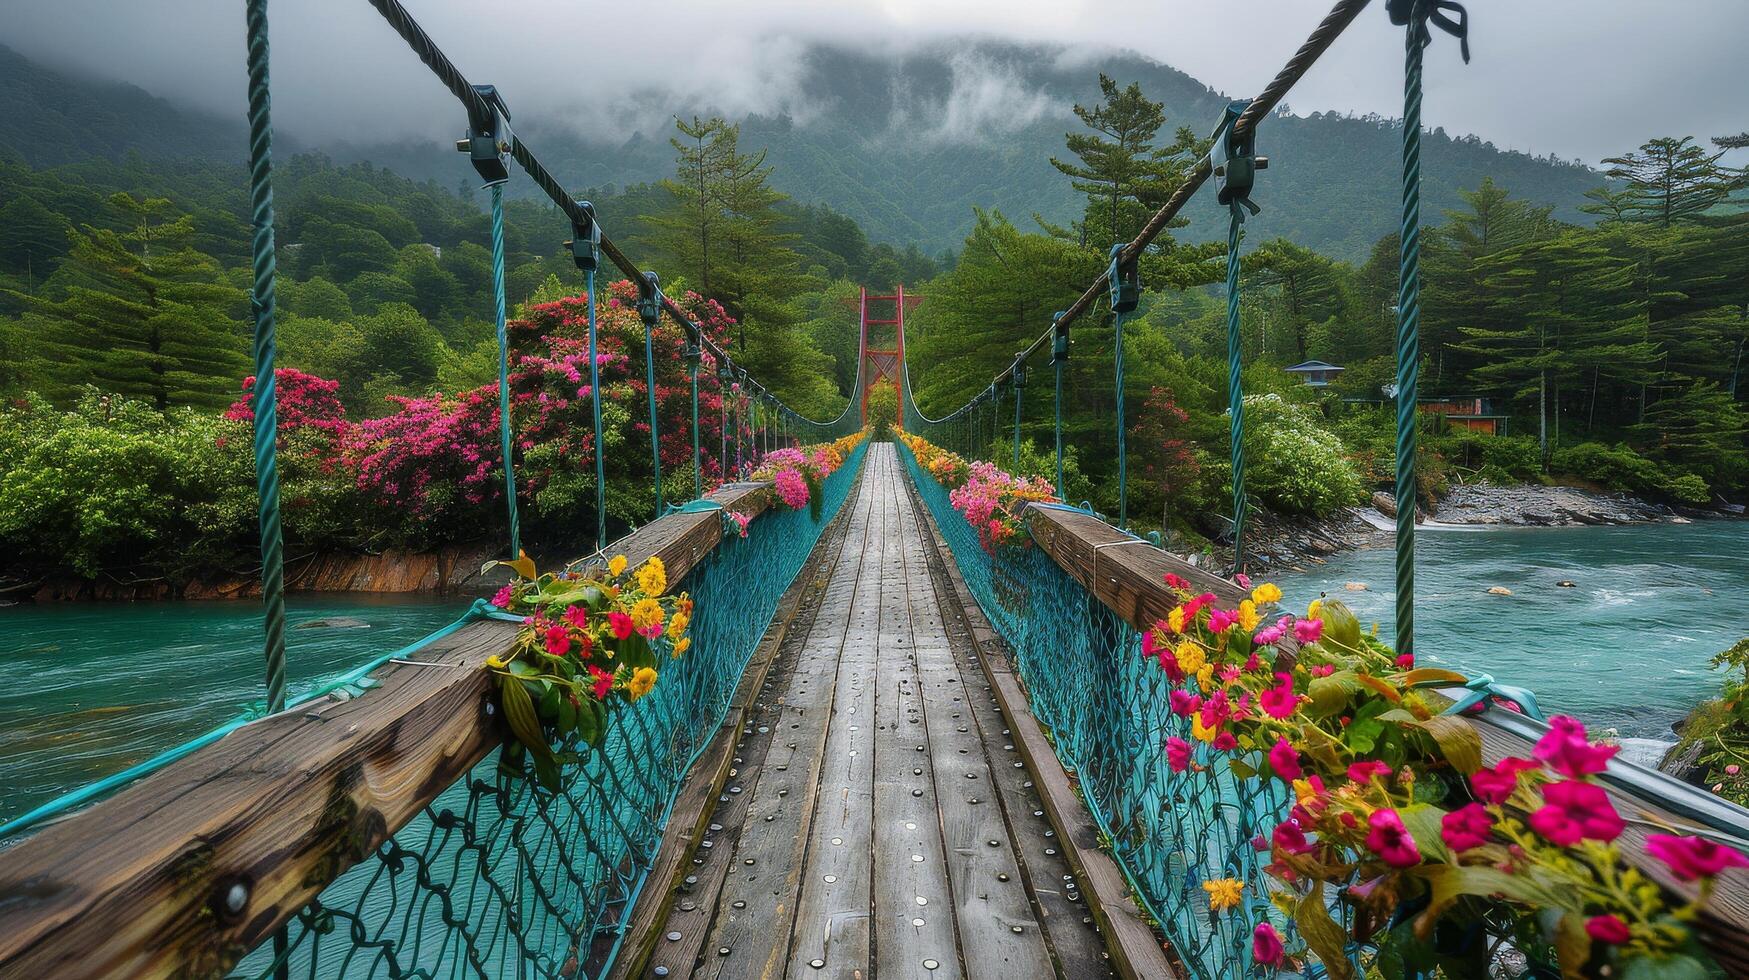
[1613, 347]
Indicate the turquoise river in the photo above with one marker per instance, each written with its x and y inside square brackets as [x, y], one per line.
[88, 689]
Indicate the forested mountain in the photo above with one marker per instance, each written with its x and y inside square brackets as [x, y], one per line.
[905, 144]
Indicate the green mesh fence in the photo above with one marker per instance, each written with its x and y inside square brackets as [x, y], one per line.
[499, 878]
[1105, 706]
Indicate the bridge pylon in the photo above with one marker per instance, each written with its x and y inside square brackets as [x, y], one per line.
[883, 354]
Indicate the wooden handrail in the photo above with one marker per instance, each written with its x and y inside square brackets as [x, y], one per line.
[187, 870]
[1130, 581]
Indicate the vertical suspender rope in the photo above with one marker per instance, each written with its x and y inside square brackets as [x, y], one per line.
[650, 310]
[694, 351]
[595, 399]
[264, 397]
[1235, 384]
[504, 436]
[1414, 14]
[1125, 295]
[1059, 358]
[1019, 384]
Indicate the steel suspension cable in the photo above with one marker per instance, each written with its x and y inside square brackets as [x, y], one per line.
[505, 439]
[1235, 384]
[595, 404]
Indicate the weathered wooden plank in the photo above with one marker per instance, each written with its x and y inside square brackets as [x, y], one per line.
[832, 913]
[667, 908]
[756, 910]
[191, 867]
[914, 908]
[1129, 580]
[999, 933]
[1076, 947]
[1135, 949]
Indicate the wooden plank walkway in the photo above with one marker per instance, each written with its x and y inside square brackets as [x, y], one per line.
[878, 821]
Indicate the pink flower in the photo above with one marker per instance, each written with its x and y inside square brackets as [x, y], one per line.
[1363, 772]
[558, 640]
[1496, 785]
[1690, 858]
[1308, 630]
[1266, 945]
[792, 488]
[1390, 840]
[1221, 619]
[1323, 670]
[1405, 660]
[1253, 662]
[1733, 769]
[619, 624]
[1564, 748]
[1607, 929]
[1177, 754]
[1269, 635]
[1225, 742]
[603, 682]
[1285, 760]
[1280, 701]
[1173, 581]
[1466, 827]
[577, 616]
[651, 631]
[1573, 812]
[505, 597]
[1216, 710]
[1169, 664]
[1288, 837]
[1242, 580]
[1183, 703]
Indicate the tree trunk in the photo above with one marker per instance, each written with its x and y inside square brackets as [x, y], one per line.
[1542, 416]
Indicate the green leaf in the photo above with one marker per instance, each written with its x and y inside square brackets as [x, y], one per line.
[1423, 823]
[519, 712]
[590, 723]
[1363, 735]
[1321, 933]
[1572, 945]
[546, 771]
[1458, 742]
[634, 652]
[1664, 968]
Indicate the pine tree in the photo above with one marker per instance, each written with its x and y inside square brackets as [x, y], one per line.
[139, 314]
[1668, 180]
[687, 230]
[1124, 175]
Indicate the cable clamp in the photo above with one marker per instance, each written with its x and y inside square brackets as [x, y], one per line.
[1059, 338]
[585, 243]
[489, 138]
[1235, 162]
[650, 300]
[1125, 282]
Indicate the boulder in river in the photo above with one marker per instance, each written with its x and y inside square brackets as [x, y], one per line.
[1384, 503]
[1354, 586]
[333, 623]
[1566, 583]
[1499, 590]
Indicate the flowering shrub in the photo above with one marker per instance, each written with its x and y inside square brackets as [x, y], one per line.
[586, 641]
[990, 499]
[1395, 811]
[798, 473]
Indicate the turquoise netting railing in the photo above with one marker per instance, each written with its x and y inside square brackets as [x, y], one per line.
[1105, 708]
[499, 878]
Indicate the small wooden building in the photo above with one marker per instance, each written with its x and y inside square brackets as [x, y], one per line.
[1316, 374]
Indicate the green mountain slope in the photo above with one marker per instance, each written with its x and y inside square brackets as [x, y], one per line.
[906, 144]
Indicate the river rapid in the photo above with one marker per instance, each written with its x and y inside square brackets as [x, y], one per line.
[1625, 647]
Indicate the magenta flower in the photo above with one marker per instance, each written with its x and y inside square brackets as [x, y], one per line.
[1175, 582]
[1269, 635]
[1565, 749]
[1466, 827]
[1496, 785]
[1405, 660]
[1607, 929]
[1285, 760]
[1280, 701]
[505, 597]
[1288, 837]
[1574, 811]
[619, 624]
[1366, 770]
[558, 640]
[1390, 840]
[577, 616]
[1221, 619]
[1225, 742]
[1308, 630]
[1177, 754]
[1266, 945]
[1183, 703]
[1242, 580]
[1691, 858]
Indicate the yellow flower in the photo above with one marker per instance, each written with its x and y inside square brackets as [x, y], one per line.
[1315, 609]
[678, 624]
[1224, 893]
[653, 577]
[1190, 656]
[1175, 619]
[680, 646]
[1304, 793]
[616, 566]
[1248, 618]
[1266, 593]
[647, 612]
[1205, 678]
[1199, 731]
[496, 662]
[643, 679]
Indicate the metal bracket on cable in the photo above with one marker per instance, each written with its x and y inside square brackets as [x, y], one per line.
[650, 300]
[1126, 286]
[585, 243]
[1059, 338]
[1234, 160]
[489, 138]
[1019, 372]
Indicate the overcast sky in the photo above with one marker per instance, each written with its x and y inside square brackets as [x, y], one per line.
[1580, 78]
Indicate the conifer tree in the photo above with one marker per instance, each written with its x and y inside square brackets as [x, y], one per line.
[1123, 174]
[1669, 181]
